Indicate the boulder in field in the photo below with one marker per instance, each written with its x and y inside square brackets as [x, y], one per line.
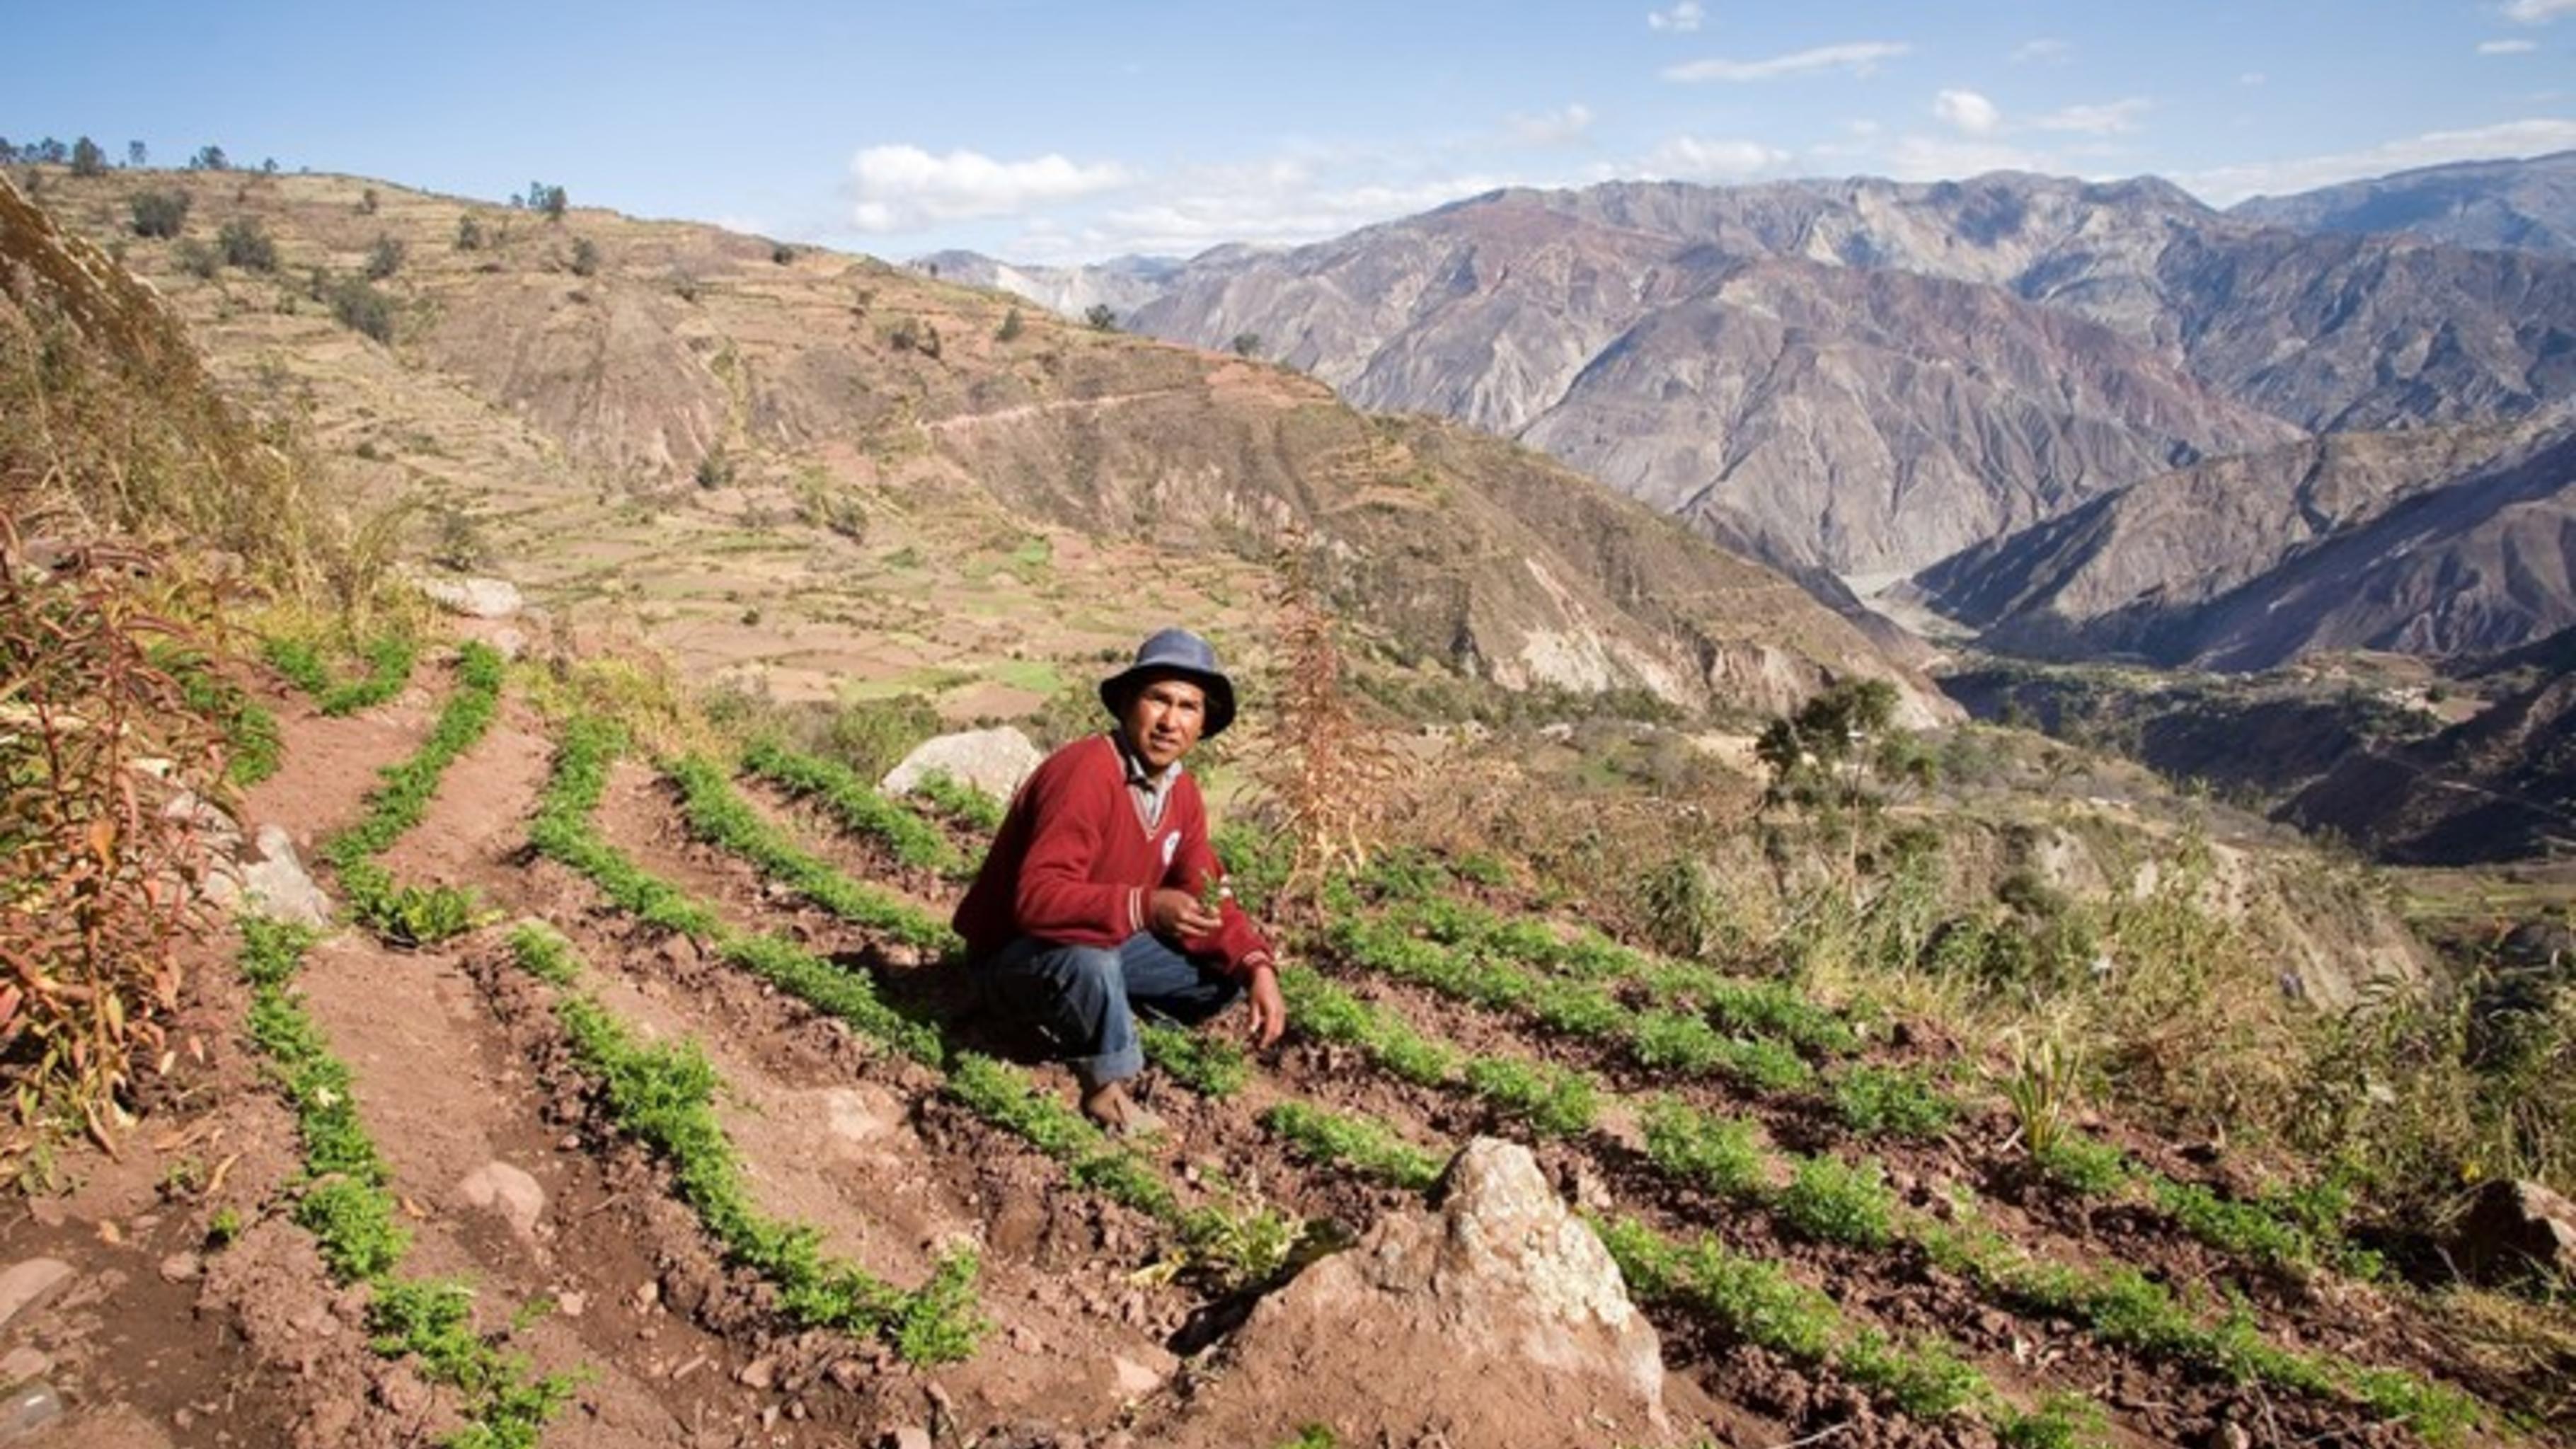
[994, 761]
[1498, 1320]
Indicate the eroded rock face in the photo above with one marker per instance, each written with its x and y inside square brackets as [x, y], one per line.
[1499, 1320]
[994, 761]
[474, 598]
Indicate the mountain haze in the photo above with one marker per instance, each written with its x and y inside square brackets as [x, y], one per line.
[2525, 204]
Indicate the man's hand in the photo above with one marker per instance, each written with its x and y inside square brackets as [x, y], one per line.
[1178, 915]
[1269, 1008]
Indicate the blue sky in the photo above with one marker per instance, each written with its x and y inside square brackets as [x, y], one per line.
[1055, 131]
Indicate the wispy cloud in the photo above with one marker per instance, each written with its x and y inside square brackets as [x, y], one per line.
[1693, 158]
[1685, 16]
[904, 188]
[2538, 12]
[2111, 118]
[2046, 48]
[1968, 112]
[2226, 185]
[1860, 57]
[2252, 78]
[2507, 47]
[1562, 126]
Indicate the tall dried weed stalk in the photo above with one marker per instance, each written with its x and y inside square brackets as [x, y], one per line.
[110, 426]
[1333, 779]
[100, 855]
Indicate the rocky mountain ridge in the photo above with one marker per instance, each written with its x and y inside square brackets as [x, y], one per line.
[1851, 375]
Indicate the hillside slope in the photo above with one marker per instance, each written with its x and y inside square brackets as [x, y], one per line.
[756, 449]
[2205, 564]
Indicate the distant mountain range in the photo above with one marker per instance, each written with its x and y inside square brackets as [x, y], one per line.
[1863, 377]
[2529, 205]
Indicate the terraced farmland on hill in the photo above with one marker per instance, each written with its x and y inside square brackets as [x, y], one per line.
[673, 1120]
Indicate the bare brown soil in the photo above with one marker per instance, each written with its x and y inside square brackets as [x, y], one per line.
[459, 1063]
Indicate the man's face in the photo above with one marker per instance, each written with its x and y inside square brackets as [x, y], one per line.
[1163, 719]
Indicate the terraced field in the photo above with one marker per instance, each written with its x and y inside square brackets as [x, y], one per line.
[645, 1104]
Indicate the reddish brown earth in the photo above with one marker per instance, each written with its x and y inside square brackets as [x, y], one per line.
[164, 1339]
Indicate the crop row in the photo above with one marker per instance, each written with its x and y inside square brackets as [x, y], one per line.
[664, 1096]
[994, 1090]
[349, 1207]
[389, 663]
[1830, 1200]
[717, 812]
[1760, 1008]
[1871, 1100]
[859, 806]
[1553, 1101]
[413, 915]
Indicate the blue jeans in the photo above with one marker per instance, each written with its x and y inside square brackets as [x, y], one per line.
[1085, 997]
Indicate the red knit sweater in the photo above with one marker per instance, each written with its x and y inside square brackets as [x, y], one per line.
[1074, 864]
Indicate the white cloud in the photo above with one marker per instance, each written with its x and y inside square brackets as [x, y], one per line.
[1685, 16]
[1691, 158]
[2226, 185]
[1934, 158]
[2538, 12]
[2252, 78]
[2507, 47]
[1860, 57]
[2046, 48]
[1968, 112]
[2111, 118]
[1552, 128]
[904, 188]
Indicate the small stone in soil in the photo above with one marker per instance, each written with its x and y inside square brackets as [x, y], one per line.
[760, 1373]
[572, 1305]
[909, 1436]
[180, 1267]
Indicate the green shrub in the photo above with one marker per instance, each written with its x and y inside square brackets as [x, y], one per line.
[159, 214]
[1883, 1101]
[244, 243]
[384, 258]
[363, 309]
[1838, 1202]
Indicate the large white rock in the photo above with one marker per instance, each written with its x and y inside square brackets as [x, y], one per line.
[475, 598]
[271, 881]
[994, 761]
[1498, 1321]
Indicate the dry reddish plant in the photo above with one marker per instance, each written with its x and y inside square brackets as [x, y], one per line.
[100, 855]
[1332, 776]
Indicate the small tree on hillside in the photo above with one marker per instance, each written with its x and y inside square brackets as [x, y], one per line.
[1838, 753]
[469, 233]
[1011, 327]
[247, 245]
[87, 158]
[210, 158]
[136, 155]
[1100, 318]
[1245, 344]
[159, 213]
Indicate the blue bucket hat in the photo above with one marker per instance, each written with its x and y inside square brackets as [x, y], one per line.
[1175, 654]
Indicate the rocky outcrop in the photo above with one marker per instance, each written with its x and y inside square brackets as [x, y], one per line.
[1498, 1321]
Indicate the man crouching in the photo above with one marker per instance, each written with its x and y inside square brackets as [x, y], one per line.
[1093, 901]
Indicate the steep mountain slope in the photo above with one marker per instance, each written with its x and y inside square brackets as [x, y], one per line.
[867, 449]
[2136, 572]
[2528, 204]
[2499, 787]
[1710, 352]
[1561, 317]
